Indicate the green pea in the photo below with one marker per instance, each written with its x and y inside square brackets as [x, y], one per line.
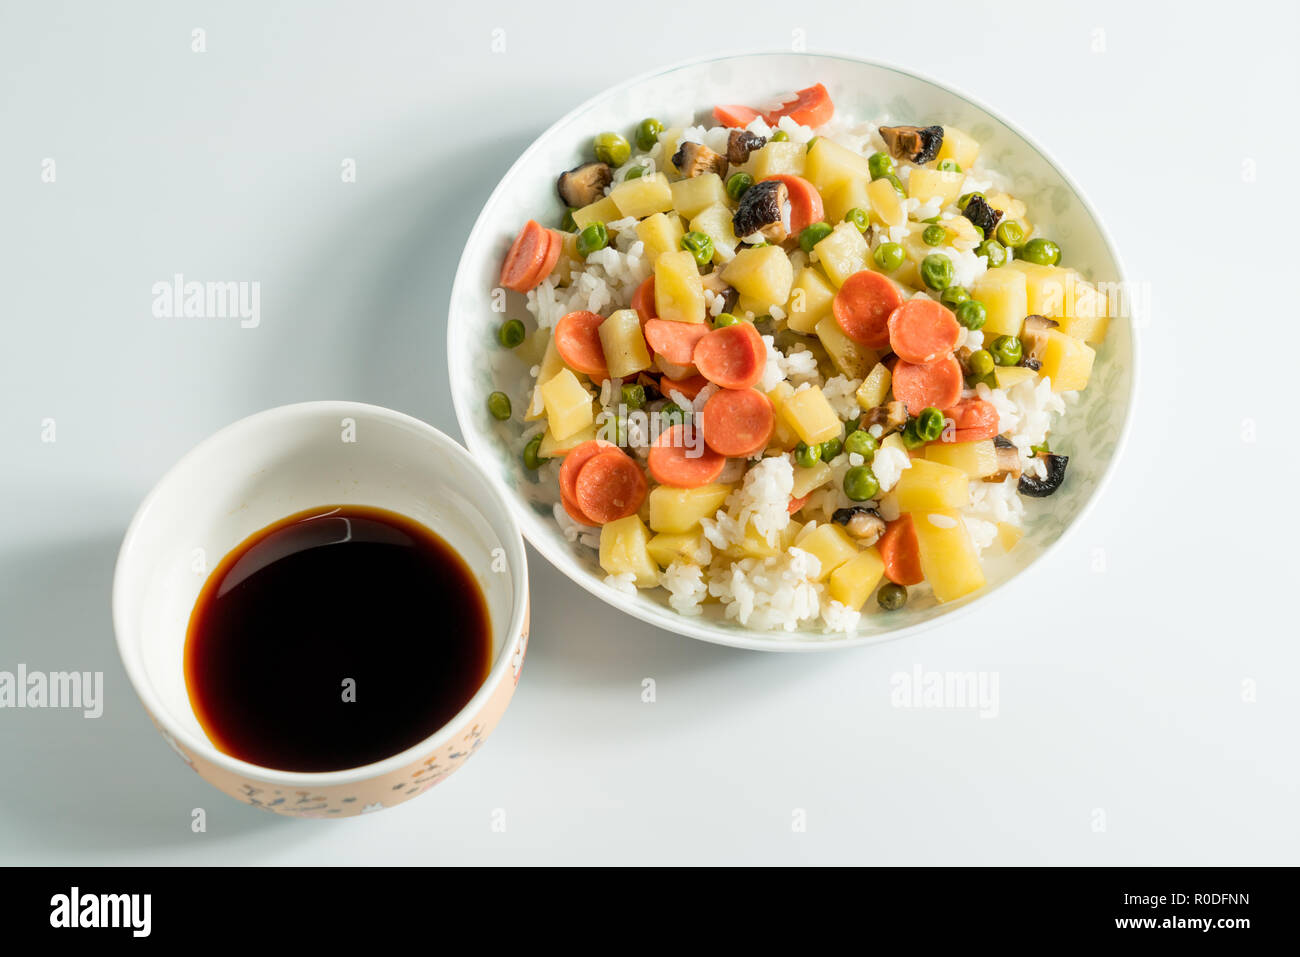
[499, 405]
[933, 219]
[612, 149]
[738, 184]
[807, 455]
[889, 256]
[533, 460]
[965, 198]
[879, 164]
[971, 314]
[891, 596]
[950, 166]
[1011, 234]
[673, 414]
[592, 238]
[929, 424]
[934, 235]
[936, 271]
[860, 484]
[993, 251]
[1006, 350]
[511, 333]
[567, 224]
[725, 319]
[1041, 449]
[634, 172]
[861, 442]
[896, 183]
[811, 142]
[780, 136]
[699, 245]
[634, 395]
[1044, 252]
[911, 438]
[954, 296]
[812, 235]
[647, 133]
[981, 363]
[859, 218]
[831, 448]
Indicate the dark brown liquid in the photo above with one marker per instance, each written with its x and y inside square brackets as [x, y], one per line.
[321, 598]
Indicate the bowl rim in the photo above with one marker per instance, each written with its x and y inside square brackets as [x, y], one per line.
[702, 628]
[289, 414]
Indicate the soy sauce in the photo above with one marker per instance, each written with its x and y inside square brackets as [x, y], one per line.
[334, 638]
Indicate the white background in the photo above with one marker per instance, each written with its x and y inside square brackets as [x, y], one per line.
[1125, 733]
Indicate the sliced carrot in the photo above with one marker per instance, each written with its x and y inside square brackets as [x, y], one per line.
[810, 107]
[798, 503]
[689, 387]
[922, 330]
[643, 300]
[973, 420]
[732, 357]
[737, 422]
[862, 308]
[609, 487]
[522, 269]
[675, 341]
[934, 384]
[901, 552]
[573, 462]
[577, 340]
[575, 513]
[805, 202]
[679, 457]
[735, 116]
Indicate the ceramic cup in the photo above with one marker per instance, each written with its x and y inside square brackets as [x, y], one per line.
[271, 465]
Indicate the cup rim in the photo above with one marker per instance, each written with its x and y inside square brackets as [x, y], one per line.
[200, 746]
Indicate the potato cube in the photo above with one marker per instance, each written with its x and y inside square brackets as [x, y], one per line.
[553, 448]
[783, 436]
[1067, 361]
[829, 165]
[959, 146]
[1045, 287]
[643, 196]
[547, 370]
[961, 233]
[853, 582]
[668, 547]
[677, 510]
[842, 253]
[850, 358]
[1005, 299]
[762, 275]
[1009, 376]
[623, 343]
[601, 211]
[809, 479]
[886, 203]
[671, 140]
[927, 184]
[810, 300]
[568, 405]
[715, 222]
[949, 561]
[850, 194]
[623, 551]
[754, 545]
[976, 459]
[661, 233]
[930, 485]
[875, 387]
[811, 415]
[679, 294]
[831, 544]
[1008, 535]
[777, 159]
[1085, 313]
[692, 196]
[562, 274]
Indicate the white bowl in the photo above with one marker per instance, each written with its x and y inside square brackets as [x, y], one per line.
[1091, 433]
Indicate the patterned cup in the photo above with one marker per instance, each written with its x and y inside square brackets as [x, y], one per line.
[271, 465]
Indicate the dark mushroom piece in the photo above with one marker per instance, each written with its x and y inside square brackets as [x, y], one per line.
[919, 144]
[979, 212]
[891, 417]
[1033, 339]
[1042, 487]
[763, 210]
[651, 386]
[861, 522]
[692, 159]
[1008, 459]
[585, 184]
[741, 143]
